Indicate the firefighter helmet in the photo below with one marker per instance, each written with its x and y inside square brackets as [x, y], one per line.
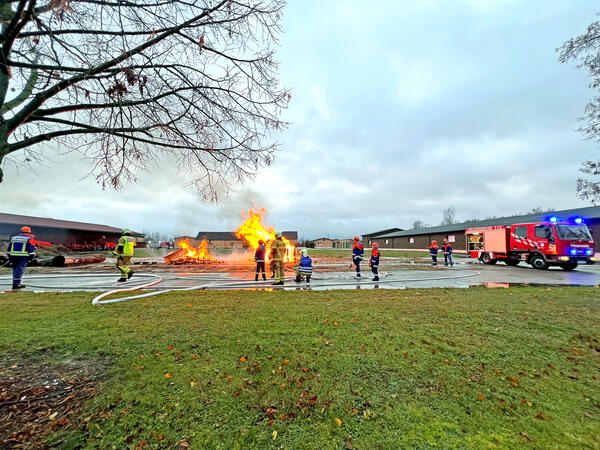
[261, 242]
[279, 234]
[304, 252]
[26, 229]
[356, 238]
[126, 231]
[375, 245]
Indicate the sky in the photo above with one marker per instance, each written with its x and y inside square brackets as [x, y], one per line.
[399, 110]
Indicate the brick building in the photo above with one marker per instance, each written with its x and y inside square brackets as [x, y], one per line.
[455, 233]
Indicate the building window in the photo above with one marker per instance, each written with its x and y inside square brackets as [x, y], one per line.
[387, 242]
[411, 240]
[451, 238]
[370, 242]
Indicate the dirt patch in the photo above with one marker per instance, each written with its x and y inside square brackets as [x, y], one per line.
[38, 398]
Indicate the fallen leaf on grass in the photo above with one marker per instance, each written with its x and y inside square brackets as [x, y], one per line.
[168, 375]
[170, 347]
[513, 381]
[338, 421]
[160, 437]
[182, 445]
[525, 435]
[286, 362]
[274, 435]
[141, 444]
[354, 412]
[242, 359]
[192, 384]
[480, 397]
[541, 416]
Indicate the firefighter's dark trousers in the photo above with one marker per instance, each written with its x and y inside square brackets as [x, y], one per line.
[19, 264]
[260, 267]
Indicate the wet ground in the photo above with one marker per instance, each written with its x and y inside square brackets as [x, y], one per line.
[462, 275]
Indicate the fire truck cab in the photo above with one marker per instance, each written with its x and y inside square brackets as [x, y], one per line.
[540, 244]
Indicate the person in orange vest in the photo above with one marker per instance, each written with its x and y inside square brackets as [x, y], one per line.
[447, 249]
[374, 261]
[357, 254]
[259, 259]
[21, 250]
[433, 251]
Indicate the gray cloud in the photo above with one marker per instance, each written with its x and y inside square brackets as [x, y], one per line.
[399, 110]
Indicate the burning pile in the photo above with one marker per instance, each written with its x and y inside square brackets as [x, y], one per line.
[190, 254]
[252, 230]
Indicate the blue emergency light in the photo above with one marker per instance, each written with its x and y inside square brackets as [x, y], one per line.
[589, 251]
[573, 251]
[553, 219]
[578, 220]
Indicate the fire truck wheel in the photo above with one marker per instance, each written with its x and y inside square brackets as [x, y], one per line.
[486, 259]
[511, 262]
[538, 262]
[569, 266]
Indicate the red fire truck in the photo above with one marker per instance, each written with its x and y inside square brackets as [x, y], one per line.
[540, 244]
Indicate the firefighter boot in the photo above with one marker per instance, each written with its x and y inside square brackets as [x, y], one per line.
[264, 277]
[121, 280]
[376, 278]
[298, 278]
[130, 274]
[18, 286]
[256, 277]
[308, 279]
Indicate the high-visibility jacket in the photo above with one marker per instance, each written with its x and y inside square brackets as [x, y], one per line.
[433, 249]
[305, 265]
[126, 245]
[358, 250]
[21, 246]
[447, 248]
[259, 254]
[277, 250]
[375, 254]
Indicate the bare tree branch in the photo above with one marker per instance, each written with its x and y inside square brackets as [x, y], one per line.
[126, 82]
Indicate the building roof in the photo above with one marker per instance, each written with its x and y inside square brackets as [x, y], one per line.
[33, 222]
[230, 235]
[321, 239]
[591, 212]
[217, 236]
[389, 230]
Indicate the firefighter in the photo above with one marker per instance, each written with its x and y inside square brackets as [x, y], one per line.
[447, 249]
[124, 252]
[259, 258]
[277, 254]
[357, 254]
[433, 251]
[304, 266]
[374, 261]
[21, 250]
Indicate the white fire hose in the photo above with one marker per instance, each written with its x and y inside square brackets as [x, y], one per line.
[218, 283]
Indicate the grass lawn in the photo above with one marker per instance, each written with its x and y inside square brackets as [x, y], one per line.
[347, 253]
[358, 369]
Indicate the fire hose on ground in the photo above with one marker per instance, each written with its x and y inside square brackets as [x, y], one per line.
[149, 281]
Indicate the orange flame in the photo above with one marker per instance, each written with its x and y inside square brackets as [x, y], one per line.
[200, 253]
[252, 231]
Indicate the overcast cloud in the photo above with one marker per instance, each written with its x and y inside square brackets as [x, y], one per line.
[399, 110]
